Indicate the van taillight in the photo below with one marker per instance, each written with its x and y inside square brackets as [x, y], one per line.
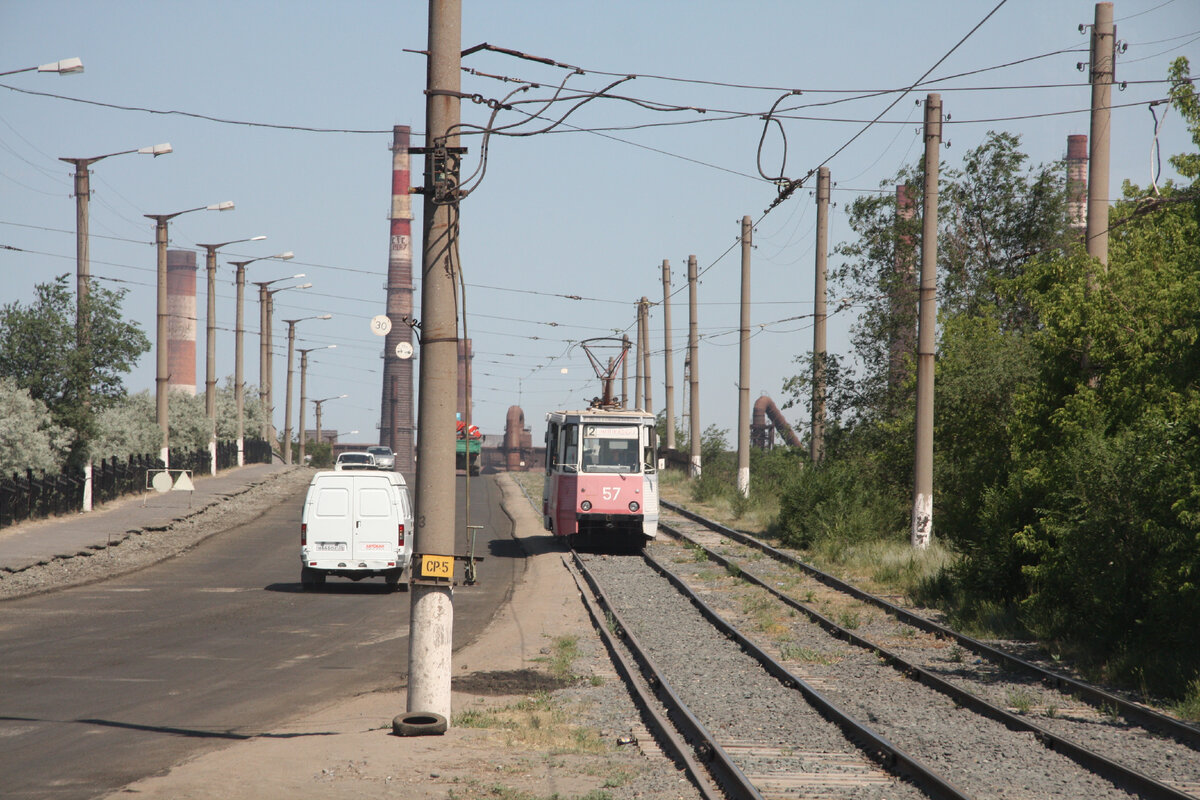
[400, 535]
[304, 533]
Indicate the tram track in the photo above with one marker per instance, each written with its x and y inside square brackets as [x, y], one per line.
[1105, 737]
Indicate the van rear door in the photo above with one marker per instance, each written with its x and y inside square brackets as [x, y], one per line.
[377, 518]
[330, 518]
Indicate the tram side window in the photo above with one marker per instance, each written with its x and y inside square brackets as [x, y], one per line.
[551, 446]
[570, 460]
[650, 453]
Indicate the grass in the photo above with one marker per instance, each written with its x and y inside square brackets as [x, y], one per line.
[478, 791]
[807, 655]
[538, 723]
[1189, 707]
[563, 653]
[1020, 699]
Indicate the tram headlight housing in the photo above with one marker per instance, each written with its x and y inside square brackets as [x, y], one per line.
[633, 507]
[586, 505]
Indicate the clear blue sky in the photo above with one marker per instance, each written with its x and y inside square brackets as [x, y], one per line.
[571, 213]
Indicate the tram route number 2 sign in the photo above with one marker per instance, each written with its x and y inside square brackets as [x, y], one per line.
[437, 566]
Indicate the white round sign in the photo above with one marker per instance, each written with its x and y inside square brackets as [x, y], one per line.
[161, 482]
[404, 350]
[381, 325]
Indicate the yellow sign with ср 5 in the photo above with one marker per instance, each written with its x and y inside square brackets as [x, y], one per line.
[437, 566]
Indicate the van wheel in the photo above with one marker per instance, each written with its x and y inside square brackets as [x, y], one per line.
[393, 579]
[311, 579]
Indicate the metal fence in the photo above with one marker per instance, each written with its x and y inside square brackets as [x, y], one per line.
[27, 496]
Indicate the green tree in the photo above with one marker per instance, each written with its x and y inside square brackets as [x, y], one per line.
[1091, 526]
[38, 350]
[127, 427]
[28, 436]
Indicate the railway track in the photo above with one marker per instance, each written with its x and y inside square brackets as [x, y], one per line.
[782, 684]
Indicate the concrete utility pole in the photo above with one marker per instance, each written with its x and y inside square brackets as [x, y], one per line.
[287, 414]
[1103, 66]
[210, 352]
[743, 431]
[639, 376]
[668, 371]
[161, 370]
[624, 371]
[922, 514]
[239, 397]
[693, 369]
[264, 374]
[432, 616]
[817, 441]
[646, 383]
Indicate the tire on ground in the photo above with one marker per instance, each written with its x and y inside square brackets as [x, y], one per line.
[419, 723]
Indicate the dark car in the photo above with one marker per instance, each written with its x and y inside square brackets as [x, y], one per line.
[384, 457]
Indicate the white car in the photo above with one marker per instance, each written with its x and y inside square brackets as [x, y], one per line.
[355, 460]
[384, 457]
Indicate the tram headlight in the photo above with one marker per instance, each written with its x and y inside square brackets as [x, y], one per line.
[586, 505]
[634, 506]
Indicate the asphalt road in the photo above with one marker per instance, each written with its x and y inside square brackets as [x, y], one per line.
[104, 684]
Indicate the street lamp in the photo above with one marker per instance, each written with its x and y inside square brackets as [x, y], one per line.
[304, 351]
[210, 375]
[83, 193]
[240, 329]
[287, 421]
[68, 66]
[266, 304]
[317, 404]
[160, 379]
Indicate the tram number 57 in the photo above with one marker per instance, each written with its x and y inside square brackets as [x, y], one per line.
[610, 492]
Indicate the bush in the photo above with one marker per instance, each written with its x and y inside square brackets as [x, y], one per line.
[832, 501]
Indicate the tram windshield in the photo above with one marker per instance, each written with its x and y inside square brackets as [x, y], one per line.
[611, 448]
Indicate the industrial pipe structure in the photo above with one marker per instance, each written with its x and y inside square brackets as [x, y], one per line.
[762, 433]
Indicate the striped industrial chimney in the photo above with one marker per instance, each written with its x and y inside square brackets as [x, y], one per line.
[181, 320]
[396, 428]
[1077, 180]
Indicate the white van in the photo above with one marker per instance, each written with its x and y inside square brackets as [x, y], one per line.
[355, 524]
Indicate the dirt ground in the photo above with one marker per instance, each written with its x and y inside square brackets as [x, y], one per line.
[520, 733]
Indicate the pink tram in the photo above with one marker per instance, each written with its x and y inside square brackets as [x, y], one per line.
[601, 485]
[601, 482]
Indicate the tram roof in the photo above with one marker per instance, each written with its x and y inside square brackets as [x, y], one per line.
[628, 415]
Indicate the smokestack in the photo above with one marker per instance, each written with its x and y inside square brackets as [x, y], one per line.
[181, 320]
[396, 409]
[1077, 180]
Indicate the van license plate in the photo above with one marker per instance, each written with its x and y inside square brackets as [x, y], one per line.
[437, 566]
[331, 547]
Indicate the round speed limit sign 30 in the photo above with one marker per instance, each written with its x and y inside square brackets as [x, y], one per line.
[380, 325]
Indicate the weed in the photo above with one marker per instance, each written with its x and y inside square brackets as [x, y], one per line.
[807, 655]
[733, 569]
[849, 619]
[596, 680]
[1189, 707]
[1051, 711]
[1021, 699]
[956, 654]
[564, 652]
